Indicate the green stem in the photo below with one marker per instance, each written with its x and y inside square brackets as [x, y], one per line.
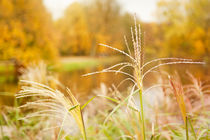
[16, 112]
[142, 114]
[84, 131]
[194, 134]
[186, 125]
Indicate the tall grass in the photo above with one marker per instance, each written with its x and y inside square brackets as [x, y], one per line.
[179, 94]
[138, 65]
[51, 103]
[39, 73]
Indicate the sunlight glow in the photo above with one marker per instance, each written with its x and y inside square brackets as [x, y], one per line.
[143, 8]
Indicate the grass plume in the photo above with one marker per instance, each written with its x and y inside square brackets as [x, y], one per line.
[141, 70]
[52, 103]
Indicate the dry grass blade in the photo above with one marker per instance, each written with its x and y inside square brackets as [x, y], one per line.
[122, 52]
[170, 63]
[110, 71]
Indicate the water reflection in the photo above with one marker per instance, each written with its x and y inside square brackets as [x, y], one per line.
[83, 87]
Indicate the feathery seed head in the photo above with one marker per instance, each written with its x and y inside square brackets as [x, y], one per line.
[52, 103]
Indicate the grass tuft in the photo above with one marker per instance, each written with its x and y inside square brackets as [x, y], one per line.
[52, 103]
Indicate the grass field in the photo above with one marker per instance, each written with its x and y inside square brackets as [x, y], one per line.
[78, 63]
[70, 63]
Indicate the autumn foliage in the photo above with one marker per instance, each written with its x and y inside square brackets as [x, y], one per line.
[28, 31]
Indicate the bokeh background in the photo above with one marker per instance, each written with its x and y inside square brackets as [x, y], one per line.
[65, 35]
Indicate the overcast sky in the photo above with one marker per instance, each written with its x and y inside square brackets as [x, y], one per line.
[144, 9]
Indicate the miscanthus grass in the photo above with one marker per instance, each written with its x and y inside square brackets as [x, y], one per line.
[141, 70]
[39, 73]
[63, 107]
[179, 94]
[54, 104]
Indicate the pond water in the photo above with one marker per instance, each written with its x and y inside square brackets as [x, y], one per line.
[85, 86]
[82, 87]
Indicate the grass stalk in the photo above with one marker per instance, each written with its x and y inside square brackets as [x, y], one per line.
[142, 115]
[83, 128]
[193, 131]
[16, 112]
[186, 128]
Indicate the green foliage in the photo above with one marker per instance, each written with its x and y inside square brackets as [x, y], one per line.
[85, 63]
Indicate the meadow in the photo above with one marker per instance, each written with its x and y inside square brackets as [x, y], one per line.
[174, 111]
[121, 79]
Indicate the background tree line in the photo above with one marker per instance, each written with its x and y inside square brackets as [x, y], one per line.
[27, 31]
[85, 25]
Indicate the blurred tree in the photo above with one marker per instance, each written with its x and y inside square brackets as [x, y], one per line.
[85, 25]
[186, 28]
[75, 36]
[26, 31]
[153, 39]
[105, 24]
